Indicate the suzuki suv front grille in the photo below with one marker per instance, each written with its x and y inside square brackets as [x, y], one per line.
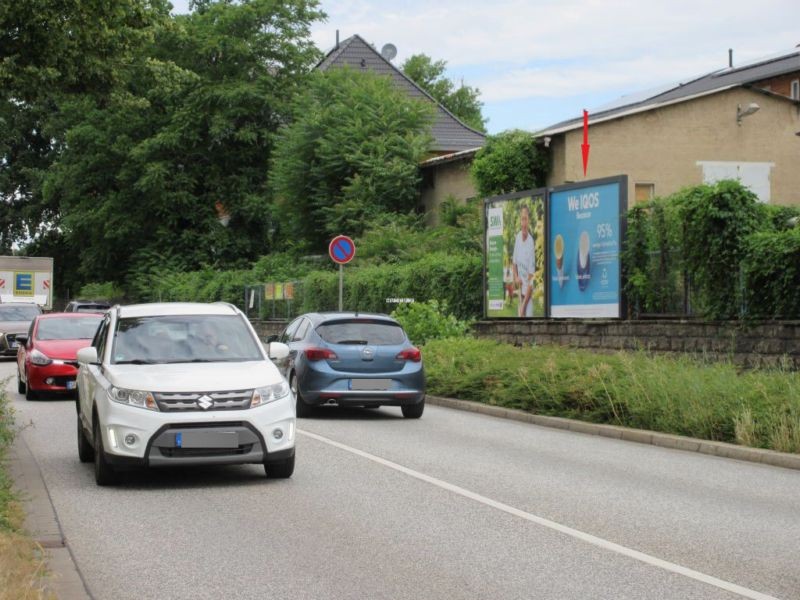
[204, 402]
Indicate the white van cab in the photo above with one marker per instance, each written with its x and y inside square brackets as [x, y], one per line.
[171, 384]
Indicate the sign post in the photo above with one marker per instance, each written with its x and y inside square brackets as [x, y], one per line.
[341, 250]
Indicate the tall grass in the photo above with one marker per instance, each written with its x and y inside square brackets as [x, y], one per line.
[681, 395]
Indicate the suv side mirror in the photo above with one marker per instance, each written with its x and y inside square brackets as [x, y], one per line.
[88, 356]
[277, 350]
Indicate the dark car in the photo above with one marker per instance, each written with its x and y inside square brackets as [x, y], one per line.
[91, 306]
[352, 359]
[15, 319]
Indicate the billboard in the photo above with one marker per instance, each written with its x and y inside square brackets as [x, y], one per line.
[514, 285]
[585, 239]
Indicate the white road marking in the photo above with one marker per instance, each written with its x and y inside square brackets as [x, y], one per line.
[574, 533]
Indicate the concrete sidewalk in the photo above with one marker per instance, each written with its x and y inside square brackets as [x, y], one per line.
[41, 523]
[666, 440]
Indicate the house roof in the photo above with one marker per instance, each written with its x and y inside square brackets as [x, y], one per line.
[449, 133]
[710, 83]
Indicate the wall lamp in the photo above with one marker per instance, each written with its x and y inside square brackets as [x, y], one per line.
[746, 111]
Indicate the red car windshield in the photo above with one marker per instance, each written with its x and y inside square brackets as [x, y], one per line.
[82, 328]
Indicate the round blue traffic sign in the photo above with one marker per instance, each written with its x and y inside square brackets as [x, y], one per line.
[341, 249]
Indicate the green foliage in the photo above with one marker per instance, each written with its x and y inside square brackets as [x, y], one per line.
[7, 431]
[772, 274]
[673, 395]
[510, 162]
[351, 152]
[451, 279]
[463, 101]
[187, 130]
[425, 321]
[716, 222]
[107, 290]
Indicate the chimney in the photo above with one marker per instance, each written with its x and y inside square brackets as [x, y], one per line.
[337, 38]
[730, 54]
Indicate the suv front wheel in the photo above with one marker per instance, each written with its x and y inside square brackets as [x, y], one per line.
[104, 473]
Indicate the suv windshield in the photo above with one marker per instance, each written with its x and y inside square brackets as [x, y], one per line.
[82, 328]
[18, 313]
[183, 338]
[373, 333]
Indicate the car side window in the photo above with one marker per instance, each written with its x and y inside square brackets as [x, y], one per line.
[288, 334]
[300, 334]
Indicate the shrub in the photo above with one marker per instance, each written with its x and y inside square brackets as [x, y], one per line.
[424, 321]
[772, 274]
[107, 290]
[454, 279]
[510, 161]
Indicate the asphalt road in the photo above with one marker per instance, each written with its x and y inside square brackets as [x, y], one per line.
[455, 505]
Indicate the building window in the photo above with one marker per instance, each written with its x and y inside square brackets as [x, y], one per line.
[795, 89]
[644, 192]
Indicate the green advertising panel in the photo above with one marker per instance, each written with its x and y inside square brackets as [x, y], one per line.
[515, 249]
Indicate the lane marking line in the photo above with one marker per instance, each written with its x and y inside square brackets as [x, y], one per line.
[574, 533]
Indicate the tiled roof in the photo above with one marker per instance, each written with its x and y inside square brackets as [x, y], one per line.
[711, 83]
[449, 133]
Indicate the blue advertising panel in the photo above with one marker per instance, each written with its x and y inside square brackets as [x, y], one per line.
[584, 242]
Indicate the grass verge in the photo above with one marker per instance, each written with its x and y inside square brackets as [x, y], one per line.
[681, 395]
[22, 565]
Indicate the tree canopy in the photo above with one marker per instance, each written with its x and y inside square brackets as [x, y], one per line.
[351, 151]
[135, 176]
[462, 100]
[510, 161]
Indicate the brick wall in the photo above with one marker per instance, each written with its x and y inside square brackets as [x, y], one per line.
[264, 329]
[752, 344]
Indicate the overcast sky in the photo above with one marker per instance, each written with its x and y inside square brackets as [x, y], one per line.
[538, 62]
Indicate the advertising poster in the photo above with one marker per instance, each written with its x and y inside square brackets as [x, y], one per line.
[515, 254]
[585, 248]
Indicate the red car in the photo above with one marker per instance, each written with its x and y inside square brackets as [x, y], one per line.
[46, 359]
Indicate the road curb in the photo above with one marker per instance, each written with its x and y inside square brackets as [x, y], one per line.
[641, 436]
[41, 523]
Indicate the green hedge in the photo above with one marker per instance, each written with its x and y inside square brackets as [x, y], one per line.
[453, 279]
[772, 274]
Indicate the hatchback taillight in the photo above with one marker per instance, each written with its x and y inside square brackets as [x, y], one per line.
[320, 354]
[412, 354]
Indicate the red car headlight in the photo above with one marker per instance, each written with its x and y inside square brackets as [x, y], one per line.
[39, 358]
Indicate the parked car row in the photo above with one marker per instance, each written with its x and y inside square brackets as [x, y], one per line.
[171, 384]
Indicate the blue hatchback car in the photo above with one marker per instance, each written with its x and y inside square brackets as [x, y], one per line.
[352, 359]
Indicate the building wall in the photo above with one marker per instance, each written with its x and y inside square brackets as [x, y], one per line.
[779, 85]
[441, 181]
[663, 146]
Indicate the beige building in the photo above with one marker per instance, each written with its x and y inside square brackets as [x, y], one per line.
[739, 123]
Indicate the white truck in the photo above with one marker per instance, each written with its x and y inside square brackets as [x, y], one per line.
[26, 279]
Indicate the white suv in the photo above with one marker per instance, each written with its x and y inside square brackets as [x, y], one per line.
[182, 384]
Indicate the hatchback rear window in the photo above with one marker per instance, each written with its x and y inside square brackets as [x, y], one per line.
[373, 333]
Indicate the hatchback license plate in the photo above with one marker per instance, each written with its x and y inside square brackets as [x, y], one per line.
[372, 385]
[206, 439]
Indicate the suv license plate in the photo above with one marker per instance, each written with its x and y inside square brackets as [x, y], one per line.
[207, 439]
[372, 385]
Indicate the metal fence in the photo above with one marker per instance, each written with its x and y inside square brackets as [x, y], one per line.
[273, 300]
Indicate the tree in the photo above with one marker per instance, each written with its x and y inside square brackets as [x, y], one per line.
[509, 162]
[192, 128]
[463, 100]
[50, 51]
[351, 152]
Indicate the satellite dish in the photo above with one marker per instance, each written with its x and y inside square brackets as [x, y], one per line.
[389, 51]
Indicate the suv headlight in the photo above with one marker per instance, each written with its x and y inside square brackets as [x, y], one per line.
[39, 358]
[269, 393]
[133, 397]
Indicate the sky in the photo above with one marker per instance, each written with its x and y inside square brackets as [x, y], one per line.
[538, 62]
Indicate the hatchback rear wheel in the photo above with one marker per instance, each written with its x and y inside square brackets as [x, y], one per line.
[413, 411]
[302, 408]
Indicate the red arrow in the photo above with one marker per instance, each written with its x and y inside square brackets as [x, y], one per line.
[585, 145]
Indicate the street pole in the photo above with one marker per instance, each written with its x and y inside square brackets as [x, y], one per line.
[341, 285]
